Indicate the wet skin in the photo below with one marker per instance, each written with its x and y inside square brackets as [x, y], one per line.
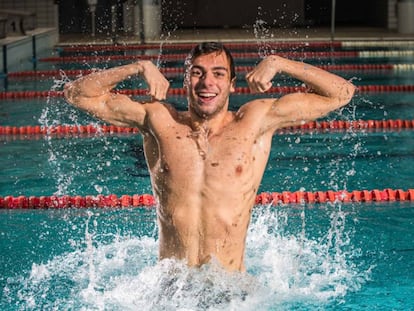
[206, 163]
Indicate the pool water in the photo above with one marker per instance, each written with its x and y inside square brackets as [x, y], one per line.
[299, 257]
[115, 164]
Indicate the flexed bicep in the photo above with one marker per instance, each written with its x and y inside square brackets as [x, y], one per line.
[116, 109]
[328, 92]
[95, 93]
[120, 110]
[296, 109]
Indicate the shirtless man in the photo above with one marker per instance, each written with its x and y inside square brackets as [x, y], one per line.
[206, 164]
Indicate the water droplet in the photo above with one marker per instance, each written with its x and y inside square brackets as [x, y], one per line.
[98, 188]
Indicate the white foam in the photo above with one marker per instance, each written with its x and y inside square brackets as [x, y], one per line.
[285, 269]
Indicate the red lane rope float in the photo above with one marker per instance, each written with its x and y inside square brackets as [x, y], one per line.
[181, 57]
[147, 200]
[238, 91]
[76, 130]
[67, 130]
[239, 69]
[237, 45]
[30, 94]
[188, 46]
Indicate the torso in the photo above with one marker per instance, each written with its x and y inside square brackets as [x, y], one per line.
[205, 185]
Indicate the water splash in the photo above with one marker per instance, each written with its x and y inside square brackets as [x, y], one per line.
[48, 119]
[288, 265]
[300, 266]
[69, 159]
[263, 35]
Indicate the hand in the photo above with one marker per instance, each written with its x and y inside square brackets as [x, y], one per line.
[260, 78]
[158, 85]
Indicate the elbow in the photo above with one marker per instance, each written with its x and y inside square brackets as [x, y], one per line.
[348, 92]
[69, 93]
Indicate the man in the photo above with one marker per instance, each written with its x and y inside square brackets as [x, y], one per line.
[206, 164]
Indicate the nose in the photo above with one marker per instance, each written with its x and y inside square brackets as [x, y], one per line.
[208, 78]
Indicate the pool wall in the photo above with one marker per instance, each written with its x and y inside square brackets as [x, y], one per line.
[18, 50]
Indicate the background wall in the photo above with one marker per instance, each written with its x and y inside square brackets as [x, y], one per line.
[276, 13]
[232, 13]
[46, 10]
[73, 16]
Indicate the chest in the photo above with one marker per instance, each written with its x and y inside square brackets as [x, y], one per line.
[229, 145]
[181, 151]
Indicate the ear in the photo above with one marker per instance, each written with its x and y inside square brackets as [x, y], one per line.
[233, 85]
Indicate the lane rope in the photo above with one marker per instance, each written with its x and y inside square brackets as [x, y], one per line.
[377, 43]
[62, 131]
[239, 69]
[147, 200]
[240, 45]
[182, 91]
[188, 46]
[181, 57]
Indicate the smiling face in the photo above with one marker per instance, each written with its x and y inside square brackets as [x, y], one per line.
[209, 84]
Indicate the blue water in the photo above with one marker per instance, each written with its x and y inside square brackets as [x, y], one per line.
[299, 257]
[116, 164]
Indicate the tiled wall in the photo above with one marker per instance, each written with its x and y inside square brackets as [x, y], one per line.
[46, 10]
[392, 14]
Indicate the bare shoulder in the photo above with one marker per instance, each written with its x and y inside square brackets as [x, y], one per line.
[160, 109]
[270, 114]
[254, 114]
[258, 106]
[162, 113]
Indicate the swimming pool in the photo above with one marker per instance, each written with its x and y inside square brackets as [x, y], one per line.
[309, 256]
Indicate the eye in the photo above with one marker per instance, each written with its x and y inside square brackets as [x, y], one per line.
[219, 74]
[196, 72]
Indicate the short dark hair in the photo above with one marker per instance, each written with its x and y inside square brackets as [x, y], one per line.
[207, 48]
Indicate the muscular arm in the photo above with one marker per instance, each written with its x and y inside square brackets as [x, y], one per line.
[92, 93]
[329, 92]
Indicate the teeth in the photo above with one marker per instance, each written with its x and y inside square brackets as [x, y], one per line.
[207, 94]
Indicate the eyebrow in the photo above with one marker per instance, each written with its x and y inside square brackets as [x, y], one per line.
[214, 68]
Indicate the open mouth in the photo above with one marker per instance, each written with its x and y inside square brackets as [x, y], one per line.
[206, 96]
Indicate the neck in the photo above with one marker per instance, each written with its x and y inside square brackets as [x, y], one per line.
[209, 125]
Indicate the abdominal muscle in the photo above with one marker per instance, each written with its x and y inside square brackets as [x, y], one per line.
[204, 210]
[197, 233]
